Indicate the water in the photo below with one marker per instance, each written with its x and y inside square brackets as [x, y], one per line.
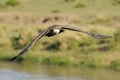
[12, 71]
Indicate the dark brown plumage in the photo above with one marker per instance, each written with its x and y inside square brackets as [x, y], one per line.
[54, 30]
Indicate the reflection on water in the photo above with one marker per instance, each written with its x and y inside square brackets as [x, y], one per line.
[9, 71]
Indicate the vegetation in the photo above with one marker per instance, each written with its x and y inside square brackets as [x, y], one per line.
[116, 2]
[18, 27]
[12, 2]
[80, 5]
[2, 6]
[115, 65]
[7, 3]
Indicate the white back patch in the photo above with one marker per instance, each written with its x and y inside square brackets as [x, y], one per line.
[56, 31]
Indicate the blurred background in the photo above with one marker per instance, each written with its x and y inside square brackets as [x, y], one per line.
[72, 55]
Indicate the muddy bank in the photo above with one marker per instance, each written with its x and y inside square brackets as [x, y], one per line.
[15, 18]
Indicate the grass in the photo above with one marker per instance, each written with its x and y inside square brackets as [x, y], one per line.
[13, 3]
[20, 24]
[115, 2]
[115, 65]
[92, 8]
[80, 5]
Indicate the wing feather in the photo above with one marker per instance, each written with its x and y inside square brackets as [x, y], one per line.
[97, 36]
[41, 34]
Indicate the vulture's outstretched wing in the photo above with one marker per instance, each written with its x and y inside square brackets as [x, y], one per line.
[97, 36]
[41, 34]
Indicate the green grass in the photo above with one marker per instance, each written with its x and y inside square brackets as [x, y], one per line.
[115, 65]
[80, 5]
[13, 3]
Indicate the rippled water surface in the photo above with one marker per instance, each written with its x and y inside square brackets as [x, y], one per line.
[10, 71]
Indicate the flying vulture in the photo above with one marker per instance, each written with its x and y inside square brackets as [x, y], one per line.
[55, 30]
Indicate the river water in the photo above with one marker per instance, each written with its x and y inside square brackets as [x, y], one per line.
[14, 71]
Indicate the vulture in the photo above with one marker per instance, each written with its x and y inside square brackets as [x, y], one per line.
[55, 30]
